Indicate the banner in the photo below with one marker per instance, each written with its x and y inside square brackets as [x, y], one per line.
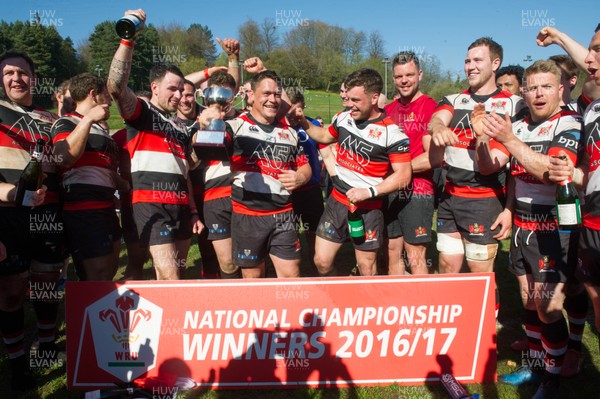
[291, 332]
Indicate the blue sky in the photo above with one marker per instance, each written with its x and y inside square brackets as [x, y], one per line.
[440, 28]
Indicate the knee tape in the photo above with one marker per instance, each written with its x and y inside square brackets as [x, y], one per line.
[449, 245]
[480, 252]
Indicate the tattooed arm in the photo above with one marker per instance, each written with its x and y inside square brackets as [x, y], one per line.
[118, 76]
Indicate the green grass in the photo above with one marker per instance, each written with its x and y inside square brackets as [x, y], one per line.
[583, 386]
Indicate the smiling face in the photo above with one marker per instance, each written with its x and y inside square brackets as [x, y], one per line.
[266, 101]
[480, 68]
[362, 105]
[187, 105]
[17, 80]
[542, 93]
[166, 92]
[593, 59]
[406, 79]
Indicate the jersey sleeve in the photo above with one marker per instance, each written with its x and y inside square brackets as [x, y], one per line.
[399, 150]
[567, 141]
[445, 104]
[61, 129]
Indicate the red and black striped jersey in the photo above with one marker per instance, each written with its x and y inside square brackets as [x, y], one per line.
[89, 183]
[365, 152]
[158, 146]
[535, 205]
[463, 178]
[20, 127]
[259, 154]
[591, 141]
[217, 175]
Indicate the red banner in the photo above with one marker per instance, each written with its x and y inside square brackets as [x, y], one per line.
[292, 332]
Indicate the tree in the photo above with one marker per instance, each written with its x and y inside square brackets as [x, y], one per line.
[376, 46]
[200, 42]
[250, 40]
[269, 37]
[104, 43]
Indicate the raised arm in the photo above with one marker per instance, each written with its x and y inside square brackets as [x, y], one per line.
[118, 76]
[549, 35]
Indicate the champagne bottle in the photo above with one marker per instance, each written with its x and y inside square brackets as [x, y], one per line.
[356, 226]
[567, 206]
[31, 178]
[128, 26]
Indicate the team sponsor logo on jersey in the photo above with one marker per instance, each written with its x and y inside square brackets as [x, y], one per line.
[465, 100]
[370, 235]
[596, 108]
[546, 265]
[410, 117]
[544, 130]
[476, 229]
[283, 135]
[568, 143]
[498, 105]
[375, 134]
[253, 129]
[420, 231]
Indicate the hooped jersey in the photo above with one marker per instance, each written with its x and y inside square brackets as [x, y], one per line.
[217, 175]
[591, 141]
[90, 182]
[20, 127]
[158, 146]
[259, 154]
[535, 205]
[463, 178]
[365, 152]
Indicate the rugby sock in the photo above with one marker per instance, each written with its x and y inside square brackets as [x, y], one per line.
[47, 313]
[12, 325]
[533, 330]
[577, 308]
[230, 276]
[554, 341]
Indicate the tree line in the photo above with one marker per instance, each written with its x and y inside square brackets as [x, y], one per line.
[310, 55]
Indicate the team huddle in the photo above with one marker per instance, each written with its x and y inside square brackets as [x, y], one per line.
[489, 158]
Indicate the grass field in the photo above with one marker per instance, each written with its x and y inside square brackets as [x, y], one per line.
[53, 380]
